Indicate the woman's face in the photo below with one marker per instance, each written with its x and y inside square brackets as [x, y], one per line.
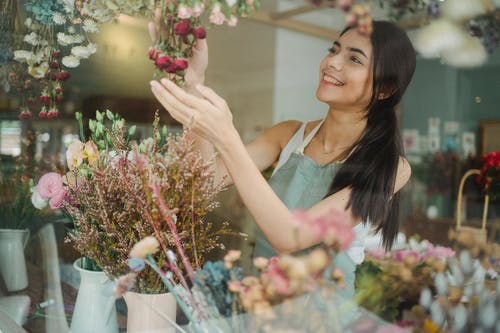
[346, 73]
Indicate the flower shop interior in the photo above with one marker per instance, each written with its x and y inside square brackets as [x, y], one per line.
[66, 258]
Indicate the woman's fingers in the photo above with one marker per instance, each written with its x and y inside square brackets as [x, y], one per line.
[184, 97]
[178, 110]
[211, 96]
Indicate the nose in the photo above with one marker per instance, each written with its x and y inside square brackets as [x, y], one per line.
[335, 62]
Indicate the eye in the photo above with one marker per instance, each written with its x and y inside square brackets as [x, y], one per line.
[356, 60]
[332, 50]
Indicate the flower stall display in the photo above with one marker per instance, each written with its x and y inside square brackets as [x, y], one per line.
[489, 179]
[429, 288]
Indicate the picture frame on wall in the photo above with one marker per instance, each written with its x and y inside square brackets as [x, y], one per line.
[489, 134]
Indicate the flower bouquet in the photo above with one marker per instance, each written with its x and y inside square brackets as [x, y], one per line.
[119, 191]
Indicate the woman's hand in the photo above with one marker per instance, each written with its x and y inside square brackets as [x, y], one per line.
[195, 73]
[207, 116]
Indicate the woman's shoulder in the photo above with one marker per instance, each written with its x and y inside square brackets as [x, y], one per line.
[282, 132]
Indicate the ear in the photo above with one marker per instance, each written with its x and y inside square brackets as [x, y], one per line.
[386, 93]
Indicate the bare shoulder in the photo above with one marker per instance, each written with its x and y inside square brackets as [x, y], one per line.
[403, 174]
[281, 133]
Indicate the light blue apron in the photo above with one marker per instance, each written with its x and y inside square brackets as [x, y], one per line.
[301, 183]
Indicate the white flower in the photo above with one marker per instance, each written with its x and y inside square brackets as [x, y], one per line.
[230, 3]
[23, 55]
[425, 298]
[90, 26]
[146, 246]
[28, 23]
[37, 201]
[58, 18]
[438, 36]
[441, 284]
[69, 5]
[63, 39]
[82, 52]
[39, 71]
[32, 38]
[459, 10]
[470, 54]
[437, 313]
[459, 317]
[71, 61]
[71, 29]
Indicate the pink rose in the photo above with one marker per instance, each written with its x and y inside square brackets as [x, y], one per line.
[49, 185]
[57, 200]
[153, 53]
[403, 254]
[163, 61]
[182, 28]
[199, 32]
[181, 63]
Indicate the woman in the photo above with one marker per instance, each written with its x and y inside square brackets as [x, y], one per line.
[349, 161]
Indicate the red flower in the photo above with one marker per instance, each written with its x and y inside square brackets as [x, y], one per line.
[63, 75]
[163, 61]
[199, 32]
[56, 54]
[153, 53]
[31, 100]
[45, 99]
[53, 113]
[181, 63]
[182, 28]
[172, 68]
[42, 114]
[59, 98]
[25, 114]
[54, 64]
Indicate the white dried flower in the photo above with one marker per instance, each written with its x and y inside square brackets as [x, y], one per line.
[23, 55]
[71, 29]
[69, 5]
[32, 39]
[441, 284]
[456, 277]
[459, 317]
[470, 54]
[28, 22]
[90, 26]
[171, 256]
[488, 315]
[146, 246]
[39, 71]
[465, 261]
[58, 18]
[425, 298]
[63, 39]
[438, 36]
[460, 10]
[71, 61]
[437, 313]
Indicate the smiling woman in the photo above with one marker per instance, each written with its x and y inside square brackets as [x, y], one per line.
[362, 79]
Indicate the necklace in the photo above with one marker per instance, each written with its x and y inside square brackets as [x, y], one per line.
[324, 151]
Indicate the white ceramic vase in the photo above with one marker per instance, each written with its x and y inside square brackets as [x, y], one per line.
[150, 313]
[95, 309]
[12, 260]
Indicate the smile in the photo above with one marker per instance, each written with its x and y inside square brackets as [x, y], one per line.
[332, 80]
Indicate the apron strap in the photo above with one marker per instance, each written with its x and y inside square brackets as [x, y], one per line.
[310, 136]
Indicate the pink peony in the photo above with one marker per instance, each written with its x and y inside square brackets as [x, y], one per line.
[57, 200]
[49, 185]
[74, 154]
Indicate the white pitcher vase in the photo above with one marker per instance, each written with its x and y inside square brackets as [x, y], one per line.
[150, 313]
[94, 308]
[12, 260]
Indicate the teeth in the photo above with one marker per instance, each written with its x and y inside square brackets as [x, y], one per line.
[332, 80]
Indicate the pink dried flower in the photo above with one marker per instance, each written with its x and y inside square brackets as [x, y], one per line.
[440, 252]
[49, 185]
[260, 262]
[403, 254]
[334, 228]
[198, 9]
[377, 253]
[233, 21]
[235, 286]
[184, 12]
[90, 152]
[279, 281]
[124, 284]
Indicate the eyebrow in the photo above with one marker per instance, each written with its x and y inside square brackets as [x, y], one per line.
[353, 49]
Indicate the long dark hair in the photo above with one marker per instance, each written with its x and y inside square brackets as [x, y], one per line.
[370, 170]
